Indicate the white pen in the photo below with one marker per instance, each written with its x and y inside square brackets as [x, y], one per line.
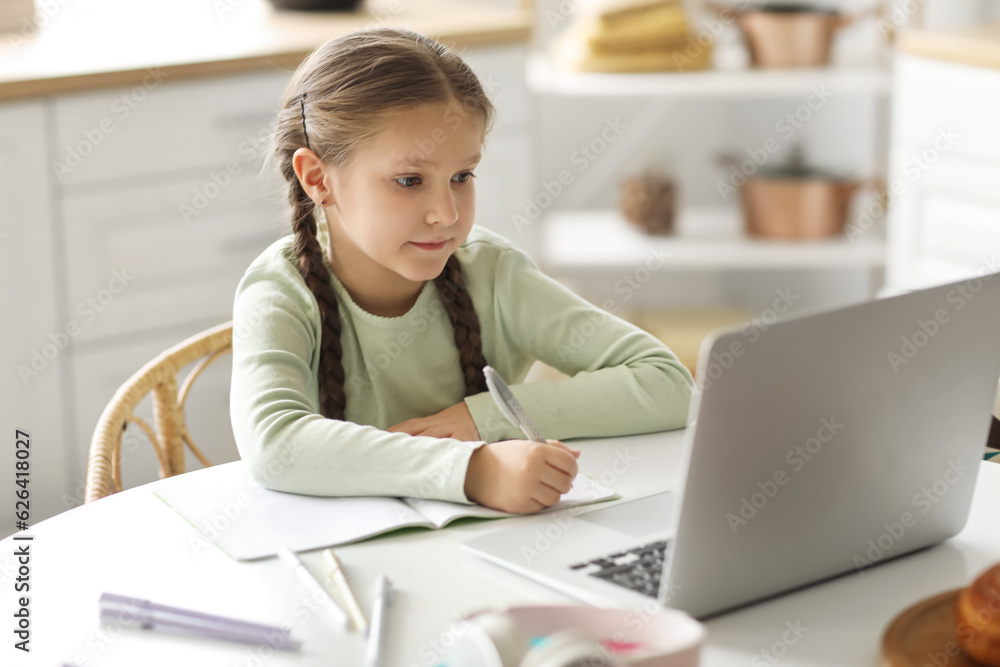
[383, 596]
[316, 590]
[340, 581]
[509, 405]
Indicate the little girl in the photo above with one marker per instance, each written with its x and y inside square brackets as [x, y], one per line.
[360, 339]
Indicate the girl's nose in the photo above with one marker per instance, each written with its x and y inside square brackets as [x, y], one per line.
[443, 210]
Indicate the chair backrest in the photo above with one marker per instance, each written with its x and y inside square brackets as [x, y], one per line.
[158, 377]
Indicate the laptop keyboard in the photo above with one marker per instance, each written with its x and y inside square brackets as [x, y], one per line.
[637, 569]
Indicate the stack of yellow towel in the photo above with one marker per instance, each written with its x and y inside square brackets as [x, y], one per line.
[632, 36]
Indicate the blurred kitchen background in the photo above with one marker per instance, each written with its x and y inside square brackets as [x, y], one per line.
[681, 164]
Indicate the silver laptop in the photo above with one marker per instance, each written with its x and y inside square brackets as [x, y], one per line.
[830, 443]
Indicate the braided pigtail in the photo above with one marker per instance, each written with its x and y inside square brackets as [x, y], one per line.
[332, 399]
[465, 322]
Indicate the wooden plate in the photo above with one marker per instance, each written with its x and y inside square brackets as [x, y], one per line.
[925, 635]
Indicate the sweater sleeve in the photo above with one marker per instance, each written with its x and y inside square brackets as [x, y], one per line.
[622, 380]
[279, 430]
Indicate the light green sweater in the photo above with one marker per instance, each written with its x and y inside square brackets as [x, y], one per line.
[622, 380]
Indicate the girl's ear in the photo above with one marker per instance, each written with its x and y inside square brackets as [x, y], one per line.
[311, 172]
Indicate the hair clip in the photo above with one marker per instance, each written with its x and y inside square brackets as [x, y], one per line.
[302, 105]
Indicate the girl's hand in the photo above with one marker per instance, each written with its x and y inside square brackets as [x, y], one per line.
[520, 475]
[454, 422]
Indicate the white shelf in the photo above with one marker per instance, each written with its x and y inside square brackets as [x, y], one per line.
[546, 77]
[706, 238]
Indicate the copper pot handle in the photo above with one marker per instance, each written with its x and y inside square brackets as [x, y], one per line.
[874, 183]
[878, 185]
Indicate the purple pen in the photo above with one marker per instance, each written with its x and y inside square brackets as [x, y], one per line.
[139, 613]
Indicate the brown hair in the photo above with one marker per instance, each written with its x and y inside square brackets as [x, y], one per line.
[337, 100]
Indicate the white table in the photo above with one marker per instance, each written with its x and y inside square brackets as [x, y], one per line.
[132, 543]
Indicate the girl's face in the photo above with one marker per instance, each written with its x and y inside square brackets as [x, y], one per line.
[410, 188]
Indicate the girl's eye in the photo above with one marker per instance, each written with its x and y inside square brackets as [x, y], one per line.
[406, 182]
[406, 178]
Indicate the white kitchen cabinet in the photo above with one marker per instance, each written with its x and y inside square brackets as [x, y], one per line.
[163, 126]
[33, 339]
[139, 266]
[945, 163]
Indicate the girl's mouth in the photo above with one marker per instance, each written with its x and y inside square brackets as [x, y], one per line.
[430, 246]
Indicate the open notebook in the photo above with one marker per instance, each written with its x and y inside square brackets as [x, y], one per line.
[247, 521]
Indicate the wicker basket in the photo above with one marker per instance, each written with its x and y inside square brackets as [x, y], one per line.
[647, 202]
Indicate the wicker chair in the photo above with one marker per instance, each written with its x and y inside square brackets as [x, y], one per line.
[158, 377]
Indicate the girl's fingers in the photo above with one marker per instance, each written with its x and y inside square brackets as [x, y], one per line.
[545, 495]
[562, 445]
[556, 479]
[562, 460]
[401, 426]
[536, 506]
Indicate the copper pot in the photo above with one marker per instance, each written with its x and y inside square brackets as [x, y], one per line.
[789, 35]
[797, 208]
[796, 202]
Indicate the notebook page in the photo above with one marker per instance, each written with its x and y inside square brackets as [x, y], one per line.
[583, 492]
[248, 521]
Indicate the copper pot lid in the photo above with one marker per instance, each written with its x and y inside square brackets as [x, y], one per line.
[792, 8]
[797, 169]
